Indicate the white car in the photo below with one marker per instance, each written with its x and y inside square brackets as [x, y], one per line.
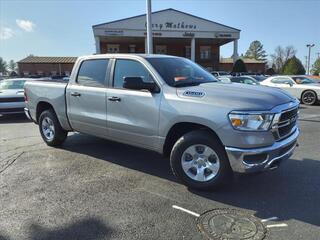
[301, 87]
[12, 96]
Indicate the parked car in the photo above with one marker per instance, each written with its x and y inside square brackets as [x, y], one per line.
[259, 78]
[239, 79]
[301, 87]
[219, 73]
[11, 96]
[172, 106]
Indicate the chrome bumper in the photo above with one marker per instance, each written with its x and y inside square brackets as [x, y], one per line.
[27, 113]
[274, 154]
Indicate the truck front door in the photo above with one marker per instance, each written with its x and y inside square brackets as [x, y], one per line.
[86, 98]
[132, 115]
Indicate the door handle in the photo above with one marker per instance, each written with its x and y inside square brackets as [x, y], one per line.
[114, 99]
[75, 94]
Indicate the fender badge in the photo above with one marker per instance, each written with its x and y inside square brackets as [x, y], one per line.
[189, 93]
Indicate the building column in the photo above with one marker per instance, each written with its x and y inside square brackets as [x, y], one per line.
[193, 49]
[97, 39]
[235, 55]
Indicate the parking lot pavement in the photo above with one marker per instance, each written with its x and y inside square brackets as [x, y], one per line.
[96, 189]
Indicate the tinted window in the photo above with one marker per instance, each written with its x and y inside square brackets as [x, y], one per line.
[303, 80]
[16, 84]
[129, 68]
[180, 72]
[281, 80]
[92, 73]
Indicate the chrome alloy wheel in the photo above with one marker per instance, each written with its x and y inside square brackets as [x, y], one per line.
[200, 162]
[47, 127]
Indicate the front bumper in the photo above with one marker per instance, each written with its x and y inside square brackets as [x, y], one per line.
[242, 160]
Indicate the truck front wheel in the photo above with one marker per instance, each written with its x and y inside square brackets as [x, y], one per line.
[51, 131]
[198, 159]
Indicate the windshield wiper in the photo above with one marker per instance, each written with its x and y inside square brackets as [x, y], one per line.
[186, 84]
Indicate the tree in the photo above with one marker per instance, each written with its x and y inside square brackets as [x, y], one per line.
[239, 66]
[293, 66]
[12, 65]
[316, 67]
[256, 51]
[3, 66]
[281, 55]
[270, 71]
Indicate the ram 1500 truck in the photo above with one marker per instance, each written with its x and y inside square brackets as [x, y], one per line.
[172, 106]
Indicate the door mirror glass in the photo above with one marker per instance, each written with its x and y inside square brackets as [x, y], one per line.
[137, 83]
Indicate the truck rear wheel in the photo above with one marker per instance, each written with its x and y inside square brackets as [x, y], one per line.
[199, 160]
[51, 131]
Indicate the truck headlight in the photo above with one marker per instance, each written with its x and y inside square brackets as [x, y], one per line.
[251, 122]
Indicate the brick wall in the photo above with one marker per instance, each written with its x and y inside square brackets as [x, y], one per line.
[175, 49]
[251, 67]
[44, 69]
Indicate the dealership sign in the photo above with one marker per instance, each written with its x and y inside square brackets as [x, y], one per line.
[172, 25]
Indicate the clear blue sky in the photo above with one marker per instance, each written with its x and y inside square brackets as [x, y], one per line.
[63, 28]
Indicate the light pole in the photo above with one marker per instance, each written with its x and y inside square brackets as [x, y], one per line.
[149, 28]
[309, 46]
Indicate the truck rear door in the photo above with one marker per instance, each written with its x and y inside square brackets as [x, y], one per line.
[86, 98]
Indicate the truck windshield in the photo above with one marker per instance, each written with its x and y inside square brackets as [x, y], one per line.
[180, 72]
[12, 84]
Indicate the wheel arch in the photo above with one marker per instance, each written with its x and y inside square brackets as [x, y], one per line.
[181, 128]
[42, 106]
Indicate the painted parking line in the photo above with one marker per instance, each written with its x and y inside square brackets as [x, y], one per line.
[277, 225]
[269, 219]
[186, 210]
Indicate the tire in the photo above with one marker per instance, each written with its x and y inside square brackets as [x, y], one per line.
[195, 142]
[50, 129]
[309, 97]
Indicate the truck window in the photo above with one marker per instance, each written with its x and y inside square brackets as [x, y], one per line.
[129, 68]
[92, 73]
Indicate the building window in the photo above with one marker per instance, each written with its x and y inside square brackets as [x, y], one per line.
[161, 49]
[205, 52]
[113, 48]
[132, 48]
[188, 52]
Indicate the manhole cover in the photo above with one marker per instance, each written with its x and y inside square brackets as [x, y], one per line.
[225, 224]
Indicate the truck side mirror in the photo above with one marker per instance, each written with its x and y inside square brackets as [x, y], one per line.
[137, 83]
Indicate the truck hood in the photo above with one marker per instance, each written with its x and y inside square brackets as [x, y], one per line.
[7, 93]
[237, 96]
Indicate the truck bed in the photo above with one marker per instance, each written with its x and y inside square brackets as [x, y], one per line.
[52, 92]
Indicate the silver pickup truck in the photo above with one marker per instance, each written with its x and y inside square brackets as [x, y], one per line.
[172, 106]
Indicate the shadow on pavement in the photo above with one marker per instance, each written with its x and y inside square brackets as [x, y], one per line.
[15, 118]
[91, 229]
[290, 192]
[127, 156]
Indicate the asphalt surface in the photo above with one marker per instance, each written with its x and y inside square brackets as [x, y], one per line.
[91, 188]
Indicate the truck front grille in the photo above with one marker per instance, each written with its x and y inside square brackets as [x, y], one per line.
[13, 99]
[286, 123]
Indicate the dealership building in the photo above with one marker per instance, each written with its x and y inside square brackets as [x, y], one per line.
[174, 33]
